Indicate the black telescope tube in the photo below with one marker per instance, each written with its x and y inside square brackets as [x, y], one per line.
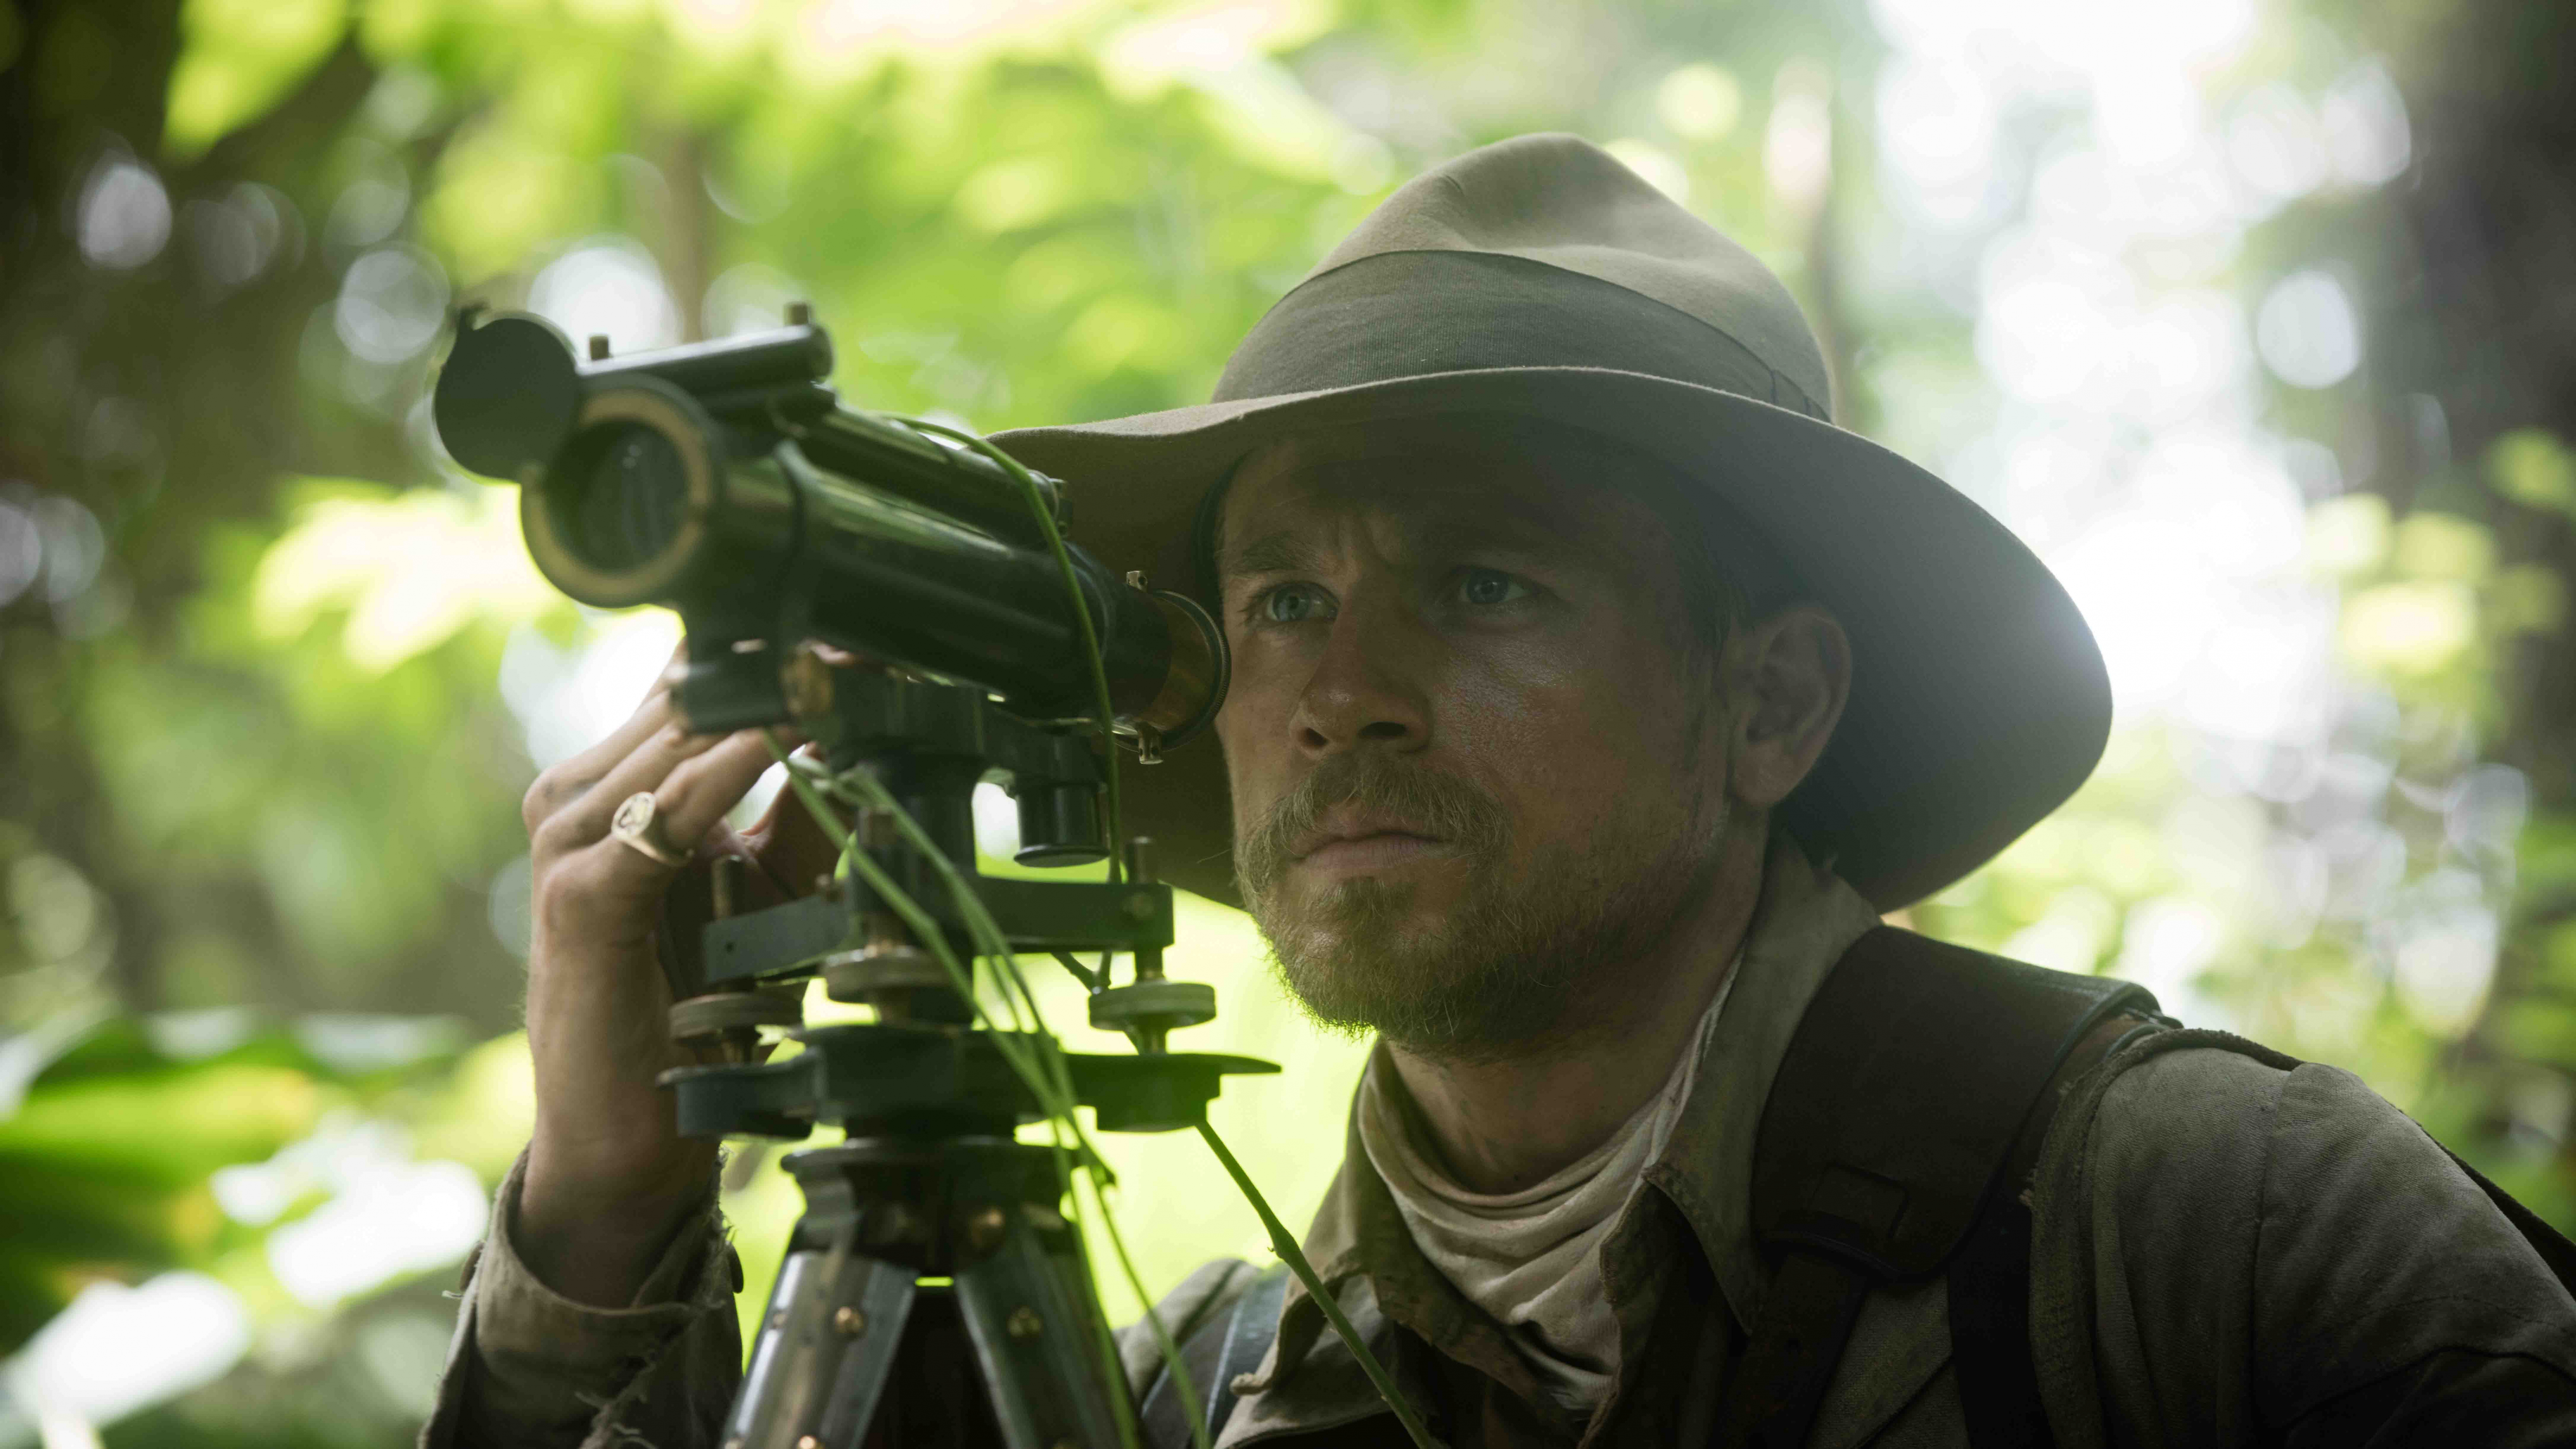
[901, 585]
[771, 380]
[916, 467]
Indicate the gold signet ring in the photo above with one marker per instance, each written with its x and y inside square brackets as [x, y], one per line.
[637, 825]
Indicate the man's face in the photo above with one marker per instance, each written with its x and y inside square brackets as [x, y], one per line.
[1476, 767]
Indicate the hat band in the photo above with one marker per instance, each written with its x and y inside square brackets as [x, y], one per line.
[1411, 314]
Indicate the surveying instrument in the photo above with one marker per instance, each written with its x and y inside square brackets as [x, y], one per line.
[934, 1292]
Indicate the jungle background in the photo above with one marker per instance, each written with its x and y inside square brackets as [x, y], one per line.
[2253, 317]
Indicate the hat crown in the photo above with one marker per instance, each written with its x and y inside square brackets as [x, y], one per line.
[1562, 202]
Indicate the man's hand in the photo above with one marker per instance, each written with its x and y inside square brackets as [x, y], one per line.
[608, 1175]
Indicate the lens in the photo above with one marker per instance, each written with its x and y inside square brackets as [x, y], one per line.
[620, 496]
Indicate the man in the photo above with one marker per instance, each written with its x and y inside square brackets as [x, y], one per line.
[1592, 697]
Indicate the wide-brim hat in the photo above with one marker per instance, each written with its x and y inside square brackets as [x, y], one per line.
[1541, 278]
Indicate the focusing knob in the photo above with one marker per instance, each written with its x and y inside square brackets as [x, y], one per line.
[729, 1022]
[1163, 1005]
[862, 974]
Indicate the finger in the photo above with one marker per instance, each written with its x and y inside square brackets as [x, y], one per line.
[644, 769]
[688, 805]
[695, 797]
[576, 775]
[785, 805]
[655, 710]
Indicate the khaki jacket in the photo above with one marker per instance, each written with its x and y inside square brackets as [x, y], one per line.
[2223, 1253]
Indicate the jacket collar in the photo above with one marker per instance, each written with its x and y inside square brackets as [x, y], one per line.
[1805, 919]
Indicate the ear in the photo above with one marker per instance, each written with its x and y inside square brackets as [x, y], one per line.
[1787, 679]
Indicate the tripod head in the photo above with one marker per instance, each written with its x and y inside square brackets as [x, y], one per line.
[929, 745]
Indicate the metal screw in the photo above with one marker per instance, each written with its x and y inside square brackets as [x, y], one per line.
[599, 347]
[1140, 906]
[1023, 1323]
[984, 1229]
[849, 1321]
[808, 1441]
[800, 314]
[1136, 578]
[878, 830]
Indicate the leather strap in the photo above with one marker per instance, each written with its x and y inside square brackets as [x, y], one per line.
[1807, 1313]
[1894, 1118]
[1902, 1090]
[1990, 1273]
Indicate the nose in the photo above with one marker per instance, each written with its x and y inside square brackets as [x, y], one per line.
[1365, 690]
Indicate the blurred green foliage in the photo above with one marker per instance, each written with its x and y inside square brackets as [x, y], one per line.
[272, 675]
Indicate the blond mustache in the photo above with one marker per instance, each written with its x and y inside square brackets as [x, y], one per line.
[1442, 805]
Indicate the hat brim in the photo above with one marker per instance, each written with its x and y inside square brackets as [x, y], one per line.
[1979, 701]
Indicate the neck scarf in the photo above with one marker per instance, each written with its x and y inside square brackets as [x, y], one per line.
[1532, 1257]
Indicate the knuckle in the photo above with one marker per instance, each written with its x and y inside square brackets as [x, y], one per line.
[556, 901]
[574, 894]
[544, 796]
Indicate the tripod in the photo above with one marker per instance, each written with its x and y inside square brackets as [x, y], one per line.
[933, 1293]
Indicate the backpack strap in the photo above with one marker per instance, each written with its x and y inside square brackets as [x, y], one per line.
[1990, 1271]
[1894, 1111]
[1217, 1350]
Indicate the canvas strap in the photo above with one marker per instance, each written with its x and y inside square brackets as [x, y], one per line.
[1914, 1077]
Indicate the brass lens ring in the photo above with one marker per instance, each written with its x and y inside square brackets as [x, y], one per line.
[1195, 681]
[667, 413]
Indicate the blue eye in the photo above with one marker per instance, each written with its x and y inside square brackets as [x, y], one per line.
[1489, 587]
[1291, 604]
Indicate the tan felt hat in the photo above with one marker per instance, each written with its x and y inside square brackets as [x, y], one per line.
[1539, 277]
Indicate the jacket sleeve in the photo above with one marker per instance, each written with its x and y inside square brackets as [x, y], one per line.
[531, 1369]
[1187, 1314]
[2232, 1250]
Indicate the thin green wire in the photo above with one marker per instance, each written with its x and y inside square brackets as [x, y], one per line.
[1057, 1103]
[1058, 1107]
[1284, 1243]
[996, 947]
[981, 924]
[1164, 1343]
[1091, 653]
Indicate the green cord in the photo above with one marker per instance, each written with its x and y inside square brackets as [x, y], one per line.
[1056, 1096]
[1284, 1243]
[1163, 1341]
[1091, 652]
